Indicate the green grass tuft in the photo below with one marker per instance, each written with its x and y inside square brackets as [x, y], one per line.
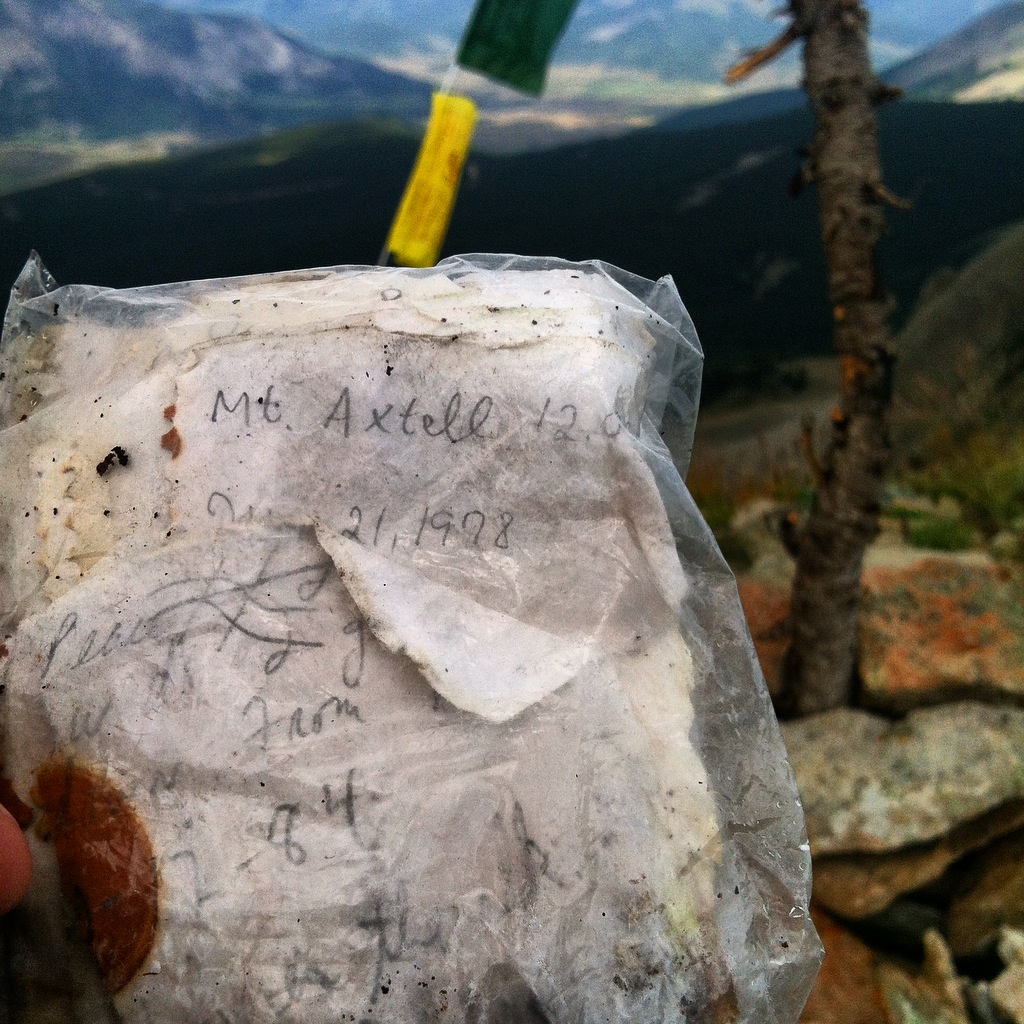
[938, 533]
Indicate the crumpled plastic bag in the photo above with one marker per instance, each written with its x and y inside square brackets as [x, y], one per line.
[366, 659]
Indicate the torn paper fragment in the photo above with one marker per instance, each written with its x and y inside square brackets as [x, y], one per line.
[480, 660]
[359, 628]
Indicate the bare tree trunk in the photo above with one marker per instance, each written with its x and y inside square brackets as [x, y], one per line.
[821, 665]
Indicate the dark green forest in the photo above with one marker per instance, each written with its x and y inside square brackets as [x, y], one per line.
[711, 206]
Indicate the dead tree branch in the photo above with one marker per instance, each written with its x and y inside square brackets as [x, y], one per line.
[821, 664]
[758, 58]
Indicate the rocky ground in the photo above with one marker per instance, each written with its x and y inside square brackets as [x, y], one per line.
[915, 798]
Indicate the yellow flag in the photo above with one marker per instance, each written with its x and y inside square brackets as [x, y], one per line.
[422, 220]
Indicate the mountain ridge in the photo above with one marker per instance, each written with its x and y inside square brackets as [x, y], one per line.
[82, 70]
[642, 34]
[983, 61]
[975, 64]
[99, 70]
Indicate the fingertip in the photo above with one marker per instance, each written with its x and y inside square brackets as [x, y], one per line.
[15, 863]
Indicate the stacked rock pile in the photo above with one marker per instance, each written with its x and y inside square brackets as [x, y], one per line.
[915, 798]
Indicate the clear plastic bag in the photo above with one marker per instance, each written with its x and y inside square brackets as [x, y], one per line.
[368, 659]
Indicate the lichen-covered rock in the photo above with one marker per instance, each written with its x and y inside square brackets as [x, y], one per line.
[766, 607]
[988, 896]
[940, 629]
[933, 995]
[858, 885]
[1007, 991]
[846, 990]
[870, 784]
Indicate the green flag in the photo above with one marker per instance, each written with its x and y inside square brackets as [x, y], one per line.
[512, 40]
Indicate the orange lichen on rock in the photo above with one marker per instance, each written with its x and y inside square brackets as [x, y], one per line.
[767, 610]
[940, 629]
[107, 865]
[847, 989]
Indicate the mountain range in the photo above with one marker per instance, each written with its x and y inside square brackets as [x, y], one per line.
[77, 69]
[620, 63]
[983, 61]
[693, 39]
[77, 72]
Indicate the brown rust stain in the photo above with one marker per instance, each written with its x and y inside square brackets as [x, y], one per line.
[107, 865]
[172, 442]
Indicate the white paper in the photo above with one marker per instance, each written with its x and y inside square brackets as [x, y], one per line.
[382, 634]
